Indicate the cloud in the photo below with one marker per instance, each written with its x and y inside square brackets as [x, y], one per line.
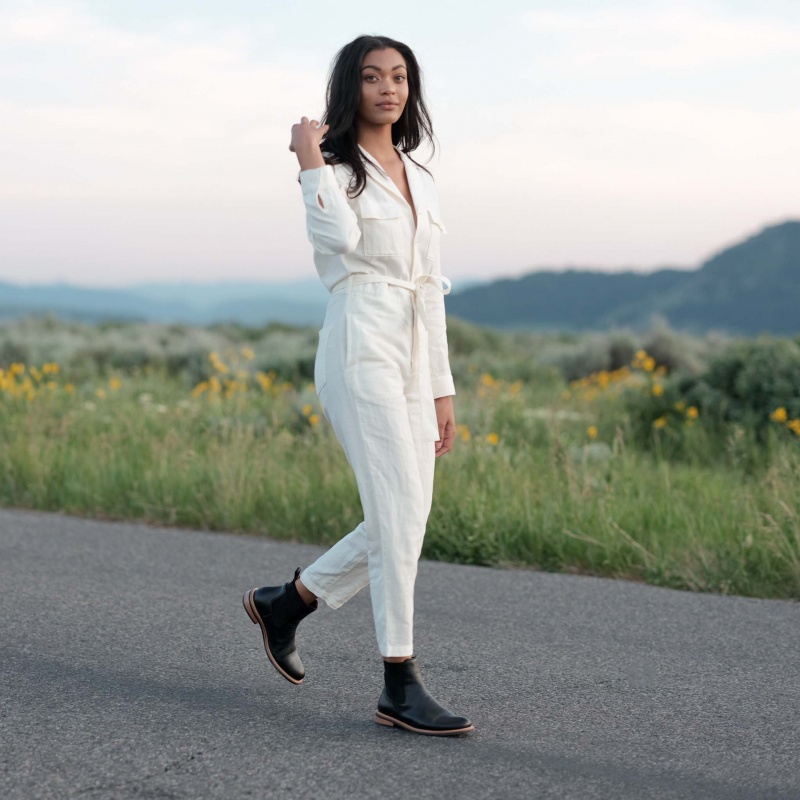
[609, 184]
[166, 153]
[149, 155]
[675, 38]
[110, 113]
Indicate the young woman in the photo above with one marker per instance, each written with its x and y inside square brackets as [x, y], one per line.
[382, 372]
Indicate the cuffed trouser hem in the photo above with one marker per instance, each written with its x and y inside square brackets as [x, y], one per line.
[394, 650]
[330, 599]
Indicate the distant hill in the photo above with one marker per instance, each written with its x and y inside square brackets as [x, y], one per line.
[300, 302]
[750, 288]
[252, 303]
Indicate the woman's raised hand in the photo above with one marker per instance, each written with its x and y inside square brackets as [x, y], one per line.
[307, 135]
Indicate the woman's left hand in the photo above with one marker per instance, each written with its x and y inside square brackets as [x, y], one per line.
[446, 418]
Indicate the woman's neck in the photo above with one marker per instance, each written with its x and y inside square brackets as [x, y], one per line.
[377, 141]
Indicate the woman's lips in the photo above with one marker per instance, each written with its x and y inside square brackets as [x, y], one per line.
[387, 105]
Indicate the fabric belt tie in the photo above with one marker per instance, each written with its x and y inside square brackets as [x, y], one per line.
[427, 425]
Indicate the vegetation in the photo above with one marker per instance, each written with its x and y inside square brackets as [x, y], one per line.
[656, 457]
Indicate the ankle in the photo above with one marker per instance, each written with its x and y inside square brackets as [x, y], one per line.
[305, 595]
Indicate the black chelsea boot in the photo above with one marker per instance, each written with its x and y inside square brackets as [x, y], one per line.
[405, 702]
[279, 610]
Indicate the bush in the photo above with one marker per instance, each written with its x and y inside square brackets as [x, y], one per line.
[735, 399]
[748, 383]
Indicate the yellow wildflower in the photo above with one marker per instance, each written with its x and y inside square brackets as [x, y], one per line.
[592, 431]
[660, 422]
[779, 415]
[69, 388]
[692, 412]
[487, 379]
[649, 363]
[200, 388]
[464, 431]
[794, 425]
[217, 363]
[35, 374]
[247, 353]
[101, 393]
[658, 389]
[307, 409]
[314, 419]
[115, 383]
[680, 405]
[493, 438]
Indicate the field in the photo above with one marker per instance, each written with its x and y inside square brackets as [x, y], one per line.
[657, 457]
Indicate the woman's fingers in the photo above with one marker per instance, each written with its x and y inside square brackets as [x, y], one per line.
[301, 137]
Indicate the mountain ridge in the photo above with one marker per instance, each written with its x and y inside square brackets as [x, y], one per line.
[749, 287]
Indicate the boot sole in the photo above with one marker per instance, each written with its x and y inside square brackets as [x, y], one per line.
[385, 719]
[255, 618]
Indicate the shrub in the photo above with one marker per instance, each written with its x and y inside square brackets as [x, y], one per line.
[738, 394]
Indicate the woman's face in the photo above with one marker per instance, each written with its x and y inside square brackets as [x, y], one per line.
[384, 87]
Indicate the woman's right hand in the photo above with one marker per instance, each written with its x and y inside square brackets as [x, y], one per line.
[307, 135]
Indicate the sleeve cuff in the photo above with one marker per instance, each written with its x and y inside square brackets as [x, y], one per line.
[443, 385]
[312, 181]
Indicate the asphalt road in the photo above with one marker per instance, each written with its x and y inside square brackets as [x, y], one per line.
[128, 669]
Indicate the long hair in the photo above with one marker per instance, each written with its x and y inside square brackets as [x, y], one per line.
[343, 97]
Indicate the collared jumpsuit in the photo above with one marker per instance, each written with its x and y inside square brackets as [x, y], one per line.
[381, 360]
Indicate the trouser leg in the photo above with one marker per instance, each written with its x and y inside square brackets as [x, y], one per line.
[394, 474]
[370, 413]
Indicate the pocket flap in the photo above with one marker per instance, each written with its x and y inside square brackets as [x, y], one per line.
[372, 207]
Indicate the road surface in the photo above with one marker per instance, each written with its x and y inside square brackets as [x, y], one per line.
[128, 669]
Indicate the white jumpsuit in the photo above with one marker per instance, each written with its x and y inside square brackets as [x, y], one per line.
[382, 358]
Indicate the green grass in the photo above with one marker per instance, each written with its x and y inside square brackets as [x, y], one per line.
[545, 496]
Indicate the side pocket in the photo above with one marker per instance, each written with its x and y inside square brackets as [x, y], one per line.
[320, 362]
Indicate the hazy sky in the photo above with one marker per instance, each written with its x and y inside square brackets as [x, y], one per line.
[148, 140]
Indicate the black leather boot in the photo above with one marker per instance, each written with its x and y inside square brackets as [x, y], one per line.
[405, 702]
[278, 610]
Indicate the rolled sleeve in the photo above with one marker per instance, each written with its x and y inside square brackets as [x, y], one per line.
[332, 226]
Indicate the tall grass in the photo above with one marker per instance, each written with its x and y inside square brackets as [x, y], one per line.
[545, 472]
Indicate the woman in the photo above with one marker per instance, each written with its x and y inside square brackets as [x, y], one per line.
[382, 372]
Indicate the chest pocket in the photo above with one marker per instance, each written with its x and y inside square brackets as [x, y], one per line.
[382, 226]
[437, 230]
